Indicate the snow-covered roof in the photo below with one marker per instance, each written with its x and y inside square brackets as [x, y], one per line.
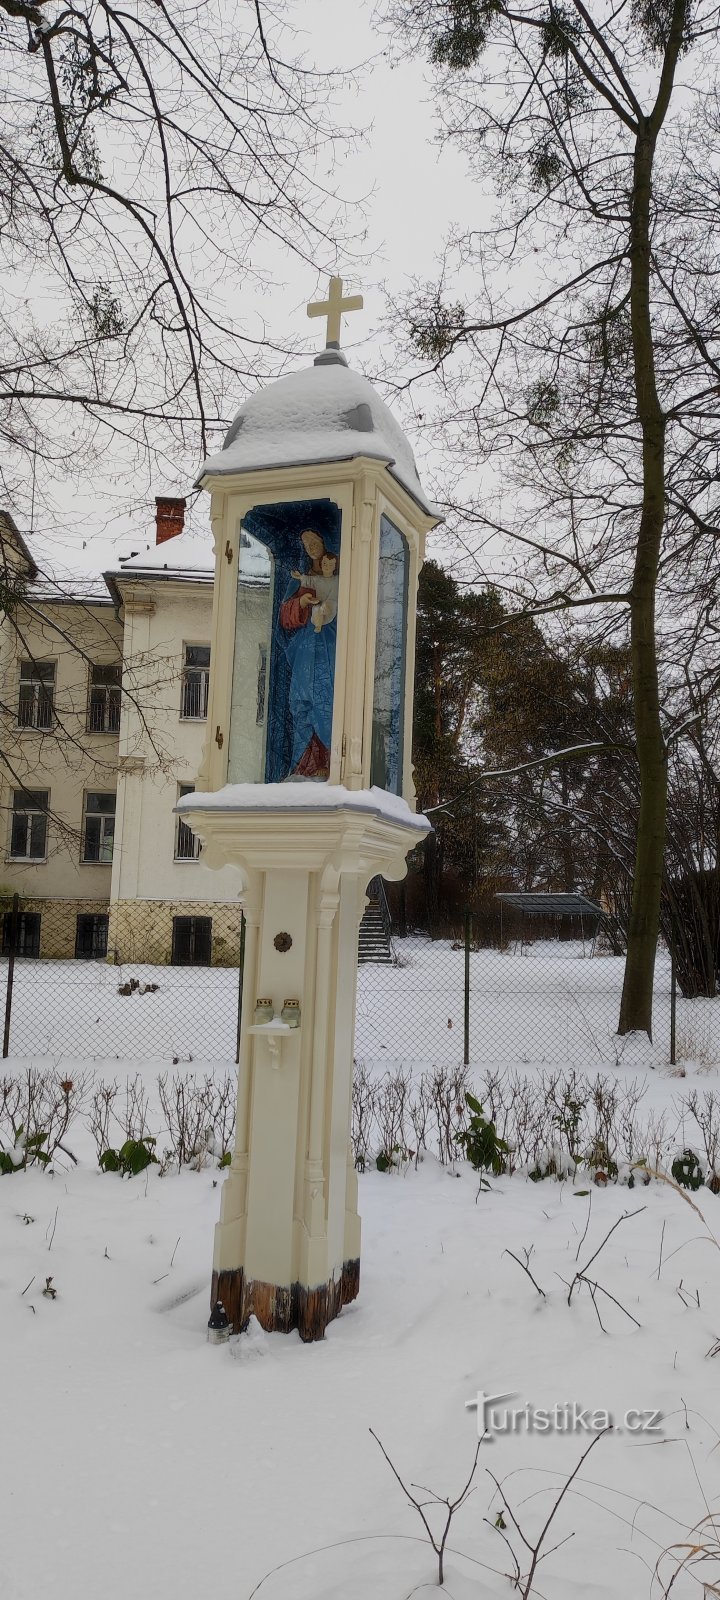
[305, 796]
[326, 412]
[187, 555]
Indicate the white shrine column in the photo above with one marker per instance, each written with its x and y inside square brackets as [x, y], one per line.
[319, 521]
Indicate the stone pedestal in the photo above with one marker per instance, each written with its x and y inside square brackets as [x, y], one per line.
[287, 1246]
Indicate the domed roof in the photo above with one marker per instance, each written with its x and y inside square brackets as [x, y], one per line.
[323, 413]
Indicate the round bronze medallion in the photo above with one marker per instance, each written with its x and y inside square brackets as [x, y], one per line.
[282, 942]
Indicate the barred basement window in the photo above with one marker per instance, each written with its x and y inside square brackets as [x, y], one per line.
[99, 828]
[27, 934]
[37, 694]
[192, 941]
[91, 937]
[28, 837]
[195, 682]
[187, 846]
[104, 699]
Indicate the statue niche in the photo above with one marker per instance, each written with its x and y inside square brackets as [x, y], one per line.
[285, 643]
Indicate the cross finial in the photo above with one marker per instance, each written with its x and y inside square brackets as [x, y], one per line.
[333, 308]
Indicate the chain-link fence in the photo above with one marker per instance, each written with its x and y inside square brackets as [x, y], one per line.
[530, 1003]
[421, 1002]
[91, 1010]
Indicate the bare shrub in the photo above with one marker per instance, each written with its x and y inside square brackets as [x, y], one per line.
[134, 1120]
[364, 1094]
[705, 1110]
[193, 1108]
[100, 1114]
[391, 1115]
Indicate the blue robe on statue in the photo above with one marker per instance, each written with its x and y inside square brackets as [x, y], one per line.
[311, 659]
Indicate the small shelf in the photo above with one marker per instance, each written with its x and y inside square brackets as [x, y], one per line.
[274, 1032]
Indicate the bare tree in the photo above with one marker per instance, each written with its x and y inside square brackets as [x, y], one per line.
[574, 335]
[153, 159]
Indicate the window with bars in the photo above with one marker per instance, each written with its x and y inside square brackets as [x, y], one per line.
[192, 941]
[36, 702]
[195, 682]
[26, 934]
[187, 845]
[99, 828]
[104, 699]
[91, 936]
[29, 831]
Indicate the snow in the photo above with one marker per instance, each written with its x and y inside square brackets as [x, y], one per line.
[322, 413]
[187, 553]
[136, 1447]
[305, 796]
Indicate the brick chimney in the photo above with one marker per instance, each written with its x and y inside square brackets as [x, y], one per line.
[169, 518]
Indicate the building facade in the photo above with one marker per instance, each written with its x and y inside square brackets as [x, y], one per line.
[103, 716]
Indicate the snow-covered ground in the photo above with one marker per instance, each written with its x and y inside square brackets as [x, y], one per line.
[134, 1456]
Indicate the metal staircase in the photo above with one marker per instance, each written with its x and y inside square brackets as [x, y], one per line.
[375, 942]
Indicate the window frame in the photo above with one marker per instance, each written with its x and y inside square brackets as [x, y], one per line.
[183, 827]
[111, 697]
[102, 817]
[38, 809]
[42, 694]
[201, 680]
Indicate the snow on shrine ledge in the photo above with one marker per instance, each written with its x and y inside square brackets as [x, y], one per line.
[299, 796]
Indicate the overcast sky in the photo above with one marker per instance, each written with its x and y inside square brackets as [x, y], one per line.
[412, 191]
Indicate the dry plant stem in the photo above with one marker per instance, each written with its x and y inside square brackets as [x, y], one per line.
[525, 1268]
[536, 1552]
[451, 1506]
[580, 1276]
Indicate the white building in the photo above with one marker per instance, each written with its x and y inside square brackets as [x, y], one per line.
[104, 716]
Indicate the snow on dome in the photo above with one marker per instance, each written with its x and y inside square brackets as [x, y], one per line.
[324, 413]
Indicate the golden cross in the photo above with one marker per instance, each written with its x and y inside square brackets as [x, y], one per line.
[333, 308]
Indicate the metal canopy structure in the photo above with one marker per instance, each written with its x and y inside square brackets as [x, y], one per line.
[553, 905]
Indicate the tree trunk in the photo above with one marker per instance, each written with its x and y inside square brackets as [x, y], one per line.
[637, 995]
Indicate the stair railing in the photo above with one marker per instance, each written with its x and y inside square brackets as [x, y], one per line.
[376, 891]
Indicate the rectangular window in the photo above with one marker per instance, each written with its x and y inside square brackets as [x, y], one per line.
[195, 682]
[28, 837]
[192, 941]
[37, 694]
[104, 699]
[99, 828]
[27, 934]
[91, 937]
[187, 846]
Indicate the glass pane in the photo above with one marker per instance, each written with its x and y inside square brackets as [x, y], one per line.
[101, 804]
[38, 671]
[107, 675]
[30, 799]
[108, 835]
[197, 655]
[38, 835]
[285, 642]
[92, 839]
[18, 839]
[390, 646]
[26, 705]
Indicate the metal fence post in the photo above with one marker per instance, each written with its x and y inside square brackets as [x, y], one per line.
[673, 999]
[240, 984]
[10, 973]
[468, 931]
